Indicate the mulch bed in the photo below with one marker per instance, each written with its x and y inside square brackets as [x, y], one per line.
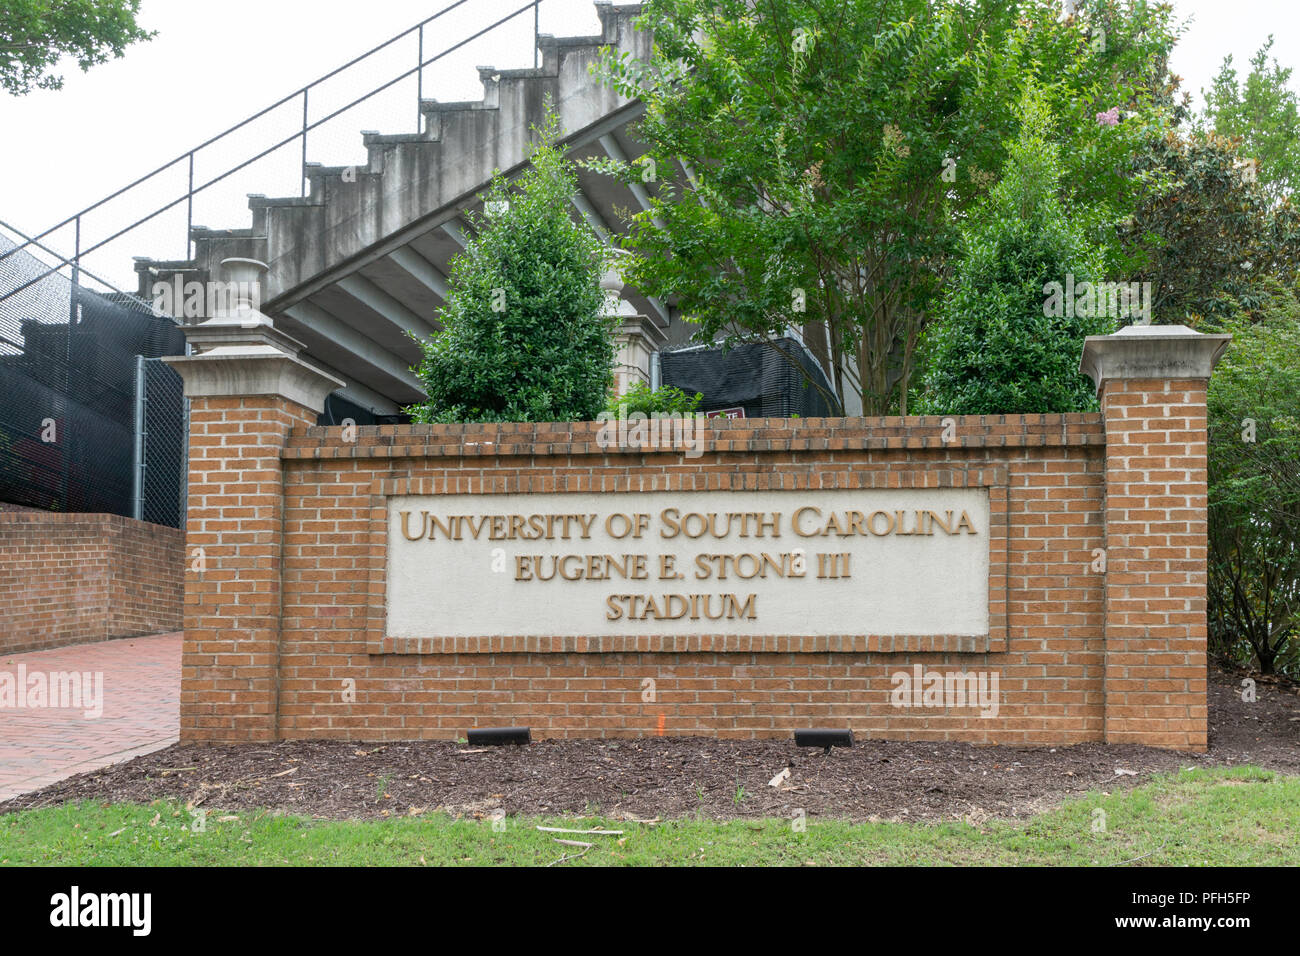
[675, 777]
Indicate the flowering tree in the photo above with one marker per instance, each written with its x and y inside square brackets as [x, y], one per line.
[814, 161]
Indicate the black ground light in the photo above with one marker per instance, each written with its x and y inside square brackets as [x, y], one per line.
[823, 738]
[499, 736]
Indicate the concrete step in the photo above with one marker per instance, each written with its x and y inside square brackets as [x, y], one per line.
[409, 176]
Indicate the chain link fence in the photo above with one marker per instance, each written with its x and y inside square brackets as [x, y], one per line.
[68, 396]
[162, 425]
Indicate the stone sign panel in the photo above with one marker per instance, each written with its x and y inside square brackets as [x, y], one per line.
[842, 562]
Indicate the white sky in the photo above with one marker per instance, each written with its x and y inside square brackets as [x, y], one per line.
[210, 67]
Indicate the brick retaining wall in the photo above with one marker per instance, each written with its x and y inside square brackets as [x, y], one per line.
[290, 609]
[74, 578]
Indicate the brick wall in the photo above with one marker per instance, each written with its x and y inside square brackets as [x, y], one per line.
[318, 555]
[74, 578]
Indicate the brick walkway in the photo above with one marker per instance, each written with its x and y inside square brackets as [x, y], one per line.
[140, 699]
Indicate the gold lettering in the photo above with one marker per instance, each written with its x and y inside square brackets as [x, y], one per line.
[736, 609]
[564, 565]
[424, 524]
[795, 521]
[667, 566]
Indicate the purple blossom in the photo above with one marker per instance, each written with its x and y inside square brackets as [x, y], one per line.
[1109, 118]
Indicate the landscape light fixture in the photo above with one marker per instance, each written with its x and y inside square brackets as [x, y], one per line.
[823, 738]
[499, 736]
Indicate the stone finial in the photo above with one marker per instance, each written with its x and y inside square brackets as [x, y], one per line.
[611, 283]
[239, 351]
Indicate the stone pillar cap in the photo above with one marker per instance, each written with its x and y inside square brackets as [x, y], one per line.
[237, 371]
[1151, 352]
[644, 326]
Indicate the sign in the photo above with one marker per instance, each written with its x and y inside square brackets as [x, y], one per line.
[883, 562]
[726, 413]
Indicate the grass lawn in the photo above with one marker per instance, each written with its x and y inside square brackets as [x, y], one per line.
[1239, 816]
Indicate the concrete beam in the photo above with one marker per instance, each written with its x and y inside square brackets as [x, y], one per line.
[364, 396]
[453, 228]
[594, 220]
[375, 298]
[421, 269]
[615, 152]
[346, 337]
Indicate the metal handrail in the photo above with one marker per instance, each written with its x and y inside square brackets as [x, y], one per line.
[304, 92]
[36, 243]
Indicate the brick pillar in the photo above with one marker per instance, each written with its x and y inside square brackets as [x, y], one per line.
[247, 389]
[1151, 381]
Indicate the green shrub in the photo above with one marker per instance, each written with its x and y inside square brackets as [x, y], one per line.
[1254, 496]
[993, 349]
[668, 399]
[523, 337]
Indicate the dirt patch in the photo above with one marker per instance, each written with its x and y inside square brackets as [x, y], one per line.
[672, 777]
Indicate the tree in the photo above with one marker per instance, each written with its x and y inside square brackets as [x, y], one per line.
[1254, 493]
[36, 34]
[999, 345]
[523, 336]
[1211, 239]
[814, 159]
[1263, 114]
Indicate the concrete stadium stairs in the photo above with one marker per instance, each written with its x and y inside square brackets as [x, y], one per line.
[363, 259]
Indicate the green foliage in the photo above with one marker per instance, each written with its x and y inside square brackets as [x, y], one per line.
[668, 399]
[523, 337]
[1211, 240]
[1264, 115]
[798, 154]
[1254, 495]
[36, 34]
[994, 349]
